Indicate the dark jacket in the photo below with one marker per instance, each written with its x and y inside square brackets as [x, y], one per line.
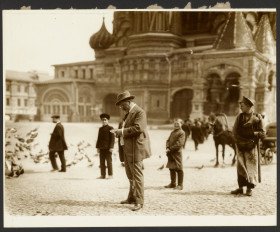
[57, 141]
[244, 128]
[187, 129]
[197, 134]
[105, 139]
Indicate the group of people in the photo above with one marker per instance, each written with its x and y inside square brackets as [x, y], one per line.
[134, 146]
[198, 129]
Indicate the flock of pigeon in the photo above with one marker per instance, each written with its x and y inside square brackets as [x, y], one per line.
[24, 147]
[18, 147]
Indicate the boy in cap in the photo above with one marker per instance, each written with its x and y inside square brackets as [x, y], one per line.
[57, 144]
[105, 144]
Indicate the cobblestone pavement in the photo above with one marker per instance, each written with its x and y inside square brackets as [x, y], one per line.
[77, 192]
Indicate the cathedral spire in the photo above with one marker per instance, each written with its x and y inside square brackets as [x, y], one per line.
[264, 38]
[235, 34]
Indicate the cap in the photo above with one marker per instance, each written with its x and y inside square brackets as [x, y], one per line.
[104, 115]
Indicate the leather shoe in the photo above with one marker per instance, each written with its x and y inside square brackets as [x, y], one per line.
[62, 170]
[127, 202]
[237, 191]
[179, 187]
[101, 177]
[170, 186]
[136, 207]
[249, 192]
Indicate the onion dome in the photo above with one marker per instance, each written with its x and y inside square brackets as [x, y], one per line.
[264, 38]
[235, 34]
[101, 39]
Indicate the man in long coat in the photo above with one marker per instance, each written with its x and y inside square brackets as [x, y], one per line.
[174, 146]
[57, 145]
[135, 143]
[248, 129]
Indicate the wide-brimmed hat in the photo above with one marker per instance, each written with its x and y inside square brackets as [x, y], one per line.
[55, 116]
[124, 97]
[247, 101]
[104, 115]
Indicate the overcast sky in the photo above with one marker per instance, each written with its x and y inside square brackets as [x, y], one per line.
[37, 39]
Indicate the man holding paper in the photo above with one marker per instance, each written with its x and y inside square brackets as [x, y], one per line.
[135, 143]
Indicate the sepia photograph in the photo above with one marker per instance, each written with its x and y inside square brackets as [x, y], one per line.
[139, 118]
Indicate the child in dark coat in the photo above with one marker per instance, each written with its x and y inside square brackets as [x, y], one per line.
[174, 146]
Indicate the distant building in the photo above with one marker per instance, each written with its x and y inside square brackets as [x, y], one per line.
[177, 64]
[20, 97]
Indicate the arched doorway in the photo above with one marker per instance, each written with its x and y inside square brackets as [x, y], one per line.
[231, 94]
[181, 105]
[109, 105]
[55, 101]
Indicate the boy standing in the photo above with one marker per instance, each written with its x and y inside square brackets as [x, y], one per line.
[174, 146]
[105, 144]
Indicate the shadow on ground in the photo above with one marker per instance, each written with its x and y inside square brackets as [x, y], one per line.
[200, 193]
[83, 203]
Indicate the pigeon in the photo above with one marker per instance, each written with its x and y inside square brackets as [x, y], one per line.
[88, 159]
[199, 168]
[21, 139]
[7, 143]
[161, 167]
[33, 135]
[12, 130]
[90, 164]
[29, 140]
[34, 130]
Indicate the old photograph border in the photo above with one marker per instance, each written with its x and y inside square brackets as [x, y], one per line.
[150, 222]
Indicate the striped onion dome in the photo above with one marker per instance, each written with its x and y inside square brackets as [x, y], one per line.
[235, 34]
[264, 38]
[101, 39]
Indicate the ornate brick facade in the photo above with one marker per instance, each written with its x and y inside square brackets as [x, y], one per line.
[175, 63]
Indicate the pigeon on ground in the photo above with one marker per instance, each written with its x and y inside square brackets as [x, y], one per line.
[161, 167]
[21, 139]
[199, 168]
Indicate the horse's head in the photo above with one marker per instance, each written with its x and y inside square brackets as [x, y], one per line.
[216, 126]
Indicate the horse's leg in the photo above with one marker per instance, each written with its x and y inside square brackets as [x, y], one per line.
[217, 154]
[223, 154]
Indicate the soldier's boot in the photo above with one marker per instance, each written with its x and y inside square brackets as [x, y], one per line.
[180, 180]
[173, 179]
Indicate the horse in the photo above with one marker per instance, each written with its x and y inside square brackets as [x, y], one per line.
[222, 136]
